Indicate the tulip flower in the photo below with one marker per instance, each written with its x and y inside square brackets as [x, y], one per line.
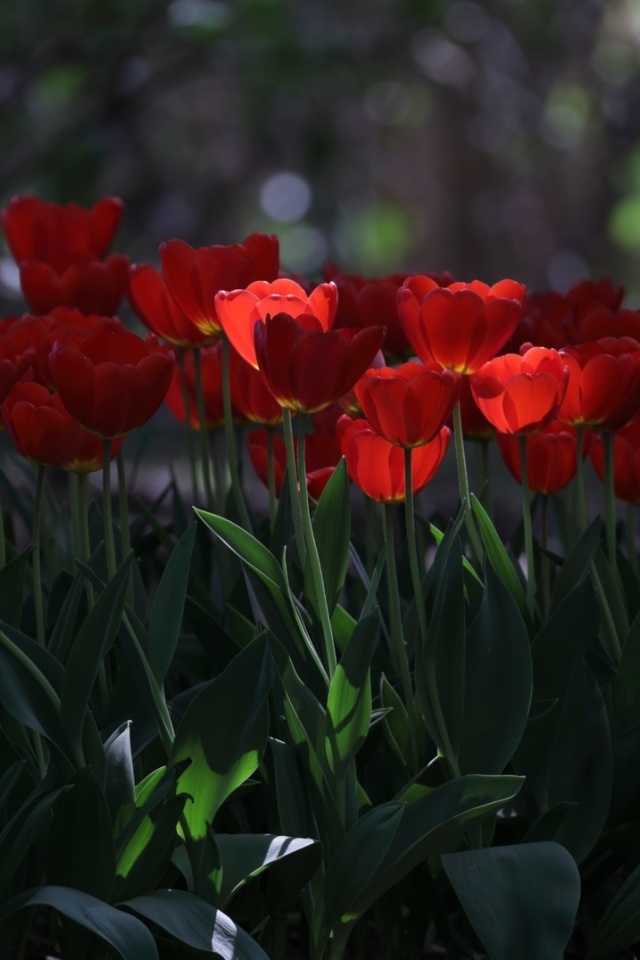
[250, 396]
[157, 309]
[626, 461]
[92, 286]
[604, 383]
[59, 235]
[194, 277]
[240, 310]
[408, 405]
[461, 326]
[377, 466]
[307, 368]
[111, 381]
[40, 426]
[551, 457]
[520, 394]
[13, 366]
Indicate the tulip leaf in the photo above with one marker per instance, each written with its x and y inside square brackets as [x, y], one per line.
[498, 681]
[498, 556]
[396, 722]
[124, 934]
[576, 566]
[252, 553]
[246, 855]
[148, 849]
[626, 684]
[620, 924]
[92, 642]
[168, 608]
[224, 732]
[521, 900]
[119, 787]
[331, 530]
[196, 923]
[22, 830]
[11, 587]
[349, 700]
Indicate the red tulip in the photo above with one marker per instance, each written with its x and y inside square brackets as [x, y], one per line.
[545, 315]
[157, 309]
[40, 426]
[251, 398]
[13, 366]
[240, 310]
[377, 466]
[626, 461]
[475, 425]
[92, 286]
[408, 405]
[194, 277]
[184, 379]
[462, 326]
[551, 457]
[521, 394]
[111, 381]
[307, 368]
[89, 454]
[604, 383]
[369, 303]
[59, 235]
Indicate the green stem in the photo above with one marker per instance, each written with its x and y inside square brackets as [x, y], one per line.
[485, 474]
[271, 479]
[331, 662]
[631, 537]
[398, 647]
[205, 453]
[414, 566]
[463, 484]
[85, 541]
[296, 507]
[37, 556]
[610, 495]
[544, 559]
[125, 532]
[107, 516]
[580, 481]
[232, 461]
[528, 531]
[74, 510]
[186, 402]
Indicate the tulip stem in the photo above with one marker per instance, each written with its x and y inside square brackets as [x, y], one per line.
[186, 402]
[582, 490]
[296, 507]
[331, 662]
[85, 540]
[610, 495]
[414, 565]
[232, 461]
[631, 537]
[528, 531]
[37, 556]
[463, 483]
[107, 516]
[398, 648]
[205, 452]
[271, 479]
[544, 559]
[74, 509]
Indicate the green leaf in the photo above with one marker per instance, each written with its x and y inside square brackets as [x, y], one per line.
[119, 787]
[349, 700]
[498, 682]
[246, 855]
[331, 529]
[498, 556]
[123, 933]
[620, 925]
[11, 587]
[148, 849]
[168, 607]
[521, 900]
[197, 924]
[626, 683]
[22, 830]
[396, 722]
[89, 649]
[224, 732]
[252, 553]
[577, 564]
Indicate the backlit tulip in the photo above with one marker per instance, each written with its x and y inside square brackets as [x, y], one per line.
[240, 310]
[307, 368]
[461, 326]
[157, 309]
[521, 393]
[251, 397]
[409, 404]
[604, 383]
[551, 457]
[111, 381]
[194, 276]
[377, 466]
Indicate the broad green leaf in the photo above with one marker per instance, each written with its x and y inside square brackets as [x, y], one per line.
[439, 536]
[148, 849]
[349, 700]
[577, 564]
[331, 529]
[521, 900]
[396, 721]
[498, 682]
[92, 642]
[620, 925]
[349, 871]
[615, 622]
[498, 556]
[246, 855]
[224, 732]
[252, 553]
[79, 850]
[11, 587]
[124, 934]
[197, 924]
[119, 785]
[168, 607]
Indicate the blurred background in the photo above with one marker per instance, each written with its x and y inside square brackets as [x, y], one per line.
[489, 139]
